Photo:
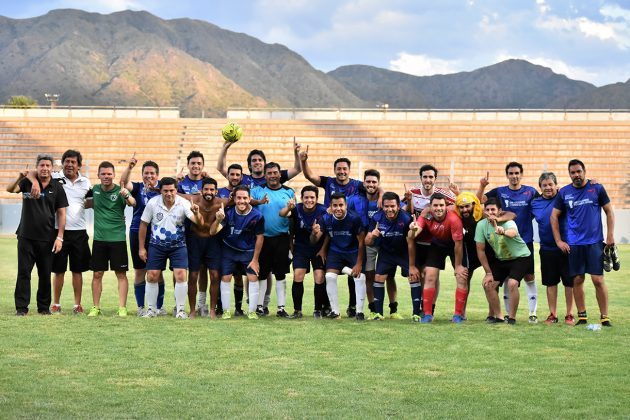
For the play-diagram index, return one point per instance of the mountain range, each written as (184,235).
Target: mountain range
(137,59)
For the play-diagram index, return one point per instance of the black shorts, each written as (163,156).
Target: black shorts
(436,257)
(554,266)
(109,255)
(134,246)
(512,269)
(274,257)
(530,266)
(422,252)
(76,249)
(471,258)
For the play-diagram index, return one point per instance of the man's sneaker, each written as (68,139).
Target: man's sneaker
(55,309)
(77,310)
(375,316)
(551,319)
(317,314)
(605,321)
(582,319)
(360,316)
(416,318)
(94,311)
(426,319)
(45,312)
(252,315)
(226,315)
(122,311)
(149,313)
(533,319)
(334,315)
(239,312)
(396,315)
(265,310)
(20,313)
(511,321)
(614,257)
(457,319)
(326,312)
(569,319)
(181,315)
(351,311)
(281,313)
(141,311)
(296,315)
(494,320)
(607,259)
(161,312)
(259,311)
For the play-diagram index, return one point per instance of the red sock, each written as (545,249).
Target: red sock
(460,300)
(427,300)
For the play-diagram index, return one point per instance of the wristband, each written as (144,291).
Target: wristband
(60,238)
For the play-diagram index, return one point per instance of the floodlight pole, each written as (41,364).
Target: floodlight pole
(52,99)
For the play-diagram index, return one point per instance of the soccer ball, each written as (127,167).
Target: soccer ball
(232,132)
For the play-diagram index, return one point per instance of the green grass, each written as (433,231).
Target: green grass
(67,366)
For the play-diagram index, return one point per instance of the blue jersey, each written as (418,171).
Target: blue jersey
(518,202)
(541,208)
(330,186)
(224,192)
(343,233)
(360,205)
(252,182)
(303,226)
(188,186)
(142,196)
(240,230)
(393,239)
(583,209)
(274,223)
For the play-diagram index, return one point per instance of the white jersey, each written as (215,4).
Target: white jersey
(75,192)
(167,225)
(421,201)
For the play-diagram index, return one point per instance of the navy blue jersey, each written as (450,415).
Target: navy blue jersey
(188,186)
(240,230)
(252,182)
(274,223)
(142,196)
(541,208)
(583,209)
(224,192)
(393,238)
(343,232)
(360,205)
(518,202)
(303,226)
(330,186)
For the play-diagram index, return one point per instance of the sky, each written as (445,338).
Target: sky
(585,40)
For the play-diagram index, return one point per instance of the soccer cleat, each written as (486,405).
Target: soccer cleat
(239,312)
(265,310)
(326,311)
(161,312)
(493,320)
(416,318)
(226,315)
(375,316)
(317,314)
(426,319)
(259,311)
(281,313)
(607,259)
(457,319)
(396,315)
(141,311)
(296,315)
(511,321)
(252,315)
(55,309)
(149,313)
(533,319)
(605,321)
(360,316)
(334,315)
(122,311)
(351,311)
(613,256)
(94,311)
(569,319)
(181,315)
(582,319)
(551,319)
(77,310)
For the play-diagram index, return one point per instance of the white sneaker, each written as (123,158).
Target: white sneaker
(161,312)
(141,311)
(181,315)
(149,314)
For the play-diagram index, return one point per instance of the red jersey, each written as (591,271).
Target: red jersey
(445,232)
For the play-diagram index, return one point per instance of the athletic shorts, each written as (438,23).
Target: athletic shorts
(76,249)
(235,262)
(302,260)
(554,266)
(206,251)
(471,259)
(339,260)
(158,255)
(274,257)
(512,269)
(371,252)
(134,246)
(436,257)
(422,252)
(530,267)
(109,256)
(586,259)
(387,264)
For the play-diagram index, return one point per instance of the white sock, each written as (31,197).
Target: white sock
(346,270)
(201,299)
(226,288)
(360,288)
(532,296)
(262,289)
(253,291)
(506,298)
(151,291)
(281,292)
(331,289)
(181,293)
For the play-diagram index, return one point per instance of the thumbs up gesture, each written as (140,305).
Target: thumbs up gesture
(316,229)
(376,232)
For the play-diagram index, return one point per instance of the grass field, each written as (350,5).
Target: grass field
(68,366)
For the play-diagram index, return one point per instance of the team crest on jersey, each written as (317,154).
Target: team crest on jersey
(159,217)
(113,197)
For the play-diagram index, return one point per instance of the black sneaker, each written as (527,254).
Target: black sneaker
(317,314)
(360,316)
(511,321)
(334,315)
(607,259)
(614,257)
(605,321)
(582,319)
(492,320)
(282,313)
(326,312)
(265,311)
(351,311)
(260,311)
(20,313)
(239,312)
(296,315)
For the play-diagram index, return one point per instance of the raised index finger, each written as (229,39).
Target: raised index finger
(488,175)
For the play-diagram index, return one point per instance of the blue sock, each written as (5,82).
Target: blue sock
(379,296)
(138,290)
(416,294)
(160,300)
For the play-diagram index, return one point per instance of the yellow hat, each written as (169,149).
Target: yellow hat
(467,198)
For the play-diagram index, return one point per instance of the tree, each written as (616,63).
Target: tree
(21,101)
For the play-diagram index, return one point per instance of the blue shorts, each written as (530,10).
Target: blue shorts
(303,260)
(339,260)
(586,259)
(205,251)
(387,264)
(159,254)
(235,261)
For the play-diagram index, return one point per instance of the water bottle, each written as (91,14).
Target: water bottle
(594,327)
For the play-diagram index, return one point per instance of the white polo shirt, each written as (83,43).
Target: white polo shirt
(167,225)
(75,191)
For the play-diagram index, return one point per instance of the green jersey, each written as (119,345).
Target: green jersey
(109,214)
(505,248)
